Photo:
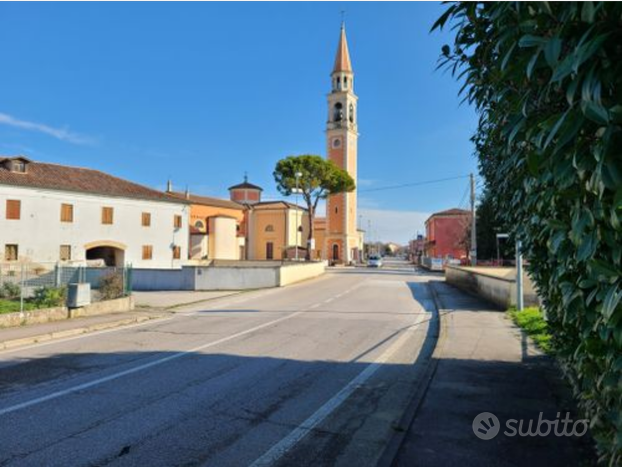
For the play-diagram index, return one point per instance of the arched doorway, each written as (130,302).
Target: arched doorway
(112,254)
(335,252)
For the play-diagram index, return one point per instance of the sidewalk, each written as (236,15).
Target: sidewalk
(32,334)
(484,364)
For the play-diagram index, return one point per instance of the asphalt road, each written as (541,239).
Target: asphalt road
(318,373)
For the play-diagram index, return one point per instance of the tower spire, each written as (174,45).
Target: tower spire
(342,59)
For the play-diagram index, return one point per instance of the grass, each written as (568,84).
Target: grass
(533,323)
(12,306)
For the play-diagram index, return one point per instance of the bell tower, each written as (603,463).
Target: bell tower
(342,136)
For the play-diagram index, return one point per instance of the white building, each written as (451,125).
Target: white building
(56,213)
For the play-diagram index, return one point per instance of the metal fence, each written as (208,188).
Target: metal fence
(30,276)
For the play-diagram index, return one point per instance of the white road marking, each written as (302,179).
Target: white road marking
(129,371)
(136,369)
(223,302)
(294,437)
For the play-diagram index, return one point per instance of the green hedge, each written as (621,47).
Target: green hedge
(546,79)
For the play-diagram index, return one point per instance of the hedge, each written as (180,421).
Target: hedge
(546,80)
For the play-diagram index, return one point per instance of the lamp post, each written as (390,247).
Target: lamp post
(297,175)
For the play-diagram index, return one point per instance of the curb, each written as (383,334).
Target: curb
(394,445)
(48,336)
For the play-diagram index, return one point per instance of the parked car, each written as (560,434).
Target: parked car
(374,261)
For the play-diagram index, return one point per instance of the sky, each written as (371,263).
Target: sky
(200,93)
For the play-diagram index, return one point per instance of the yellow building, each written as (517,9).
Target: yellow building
(275,228)
(217,227)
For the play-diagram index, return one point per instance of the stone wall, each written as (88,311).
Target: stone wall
(497,287)
(226,275)
(47,315)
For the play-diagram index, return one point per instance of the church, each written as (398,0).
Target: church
(253,229)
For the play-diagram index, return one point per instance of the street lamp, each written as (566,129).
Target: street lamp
(297,175)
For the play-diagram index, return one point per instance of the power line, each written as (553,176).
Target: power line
(464,197)
(406,185)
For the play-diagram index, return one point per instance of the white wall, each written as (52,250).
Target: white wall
(223,242)
(39,232)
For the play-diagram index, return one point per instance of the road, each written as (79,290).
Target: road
(319,373)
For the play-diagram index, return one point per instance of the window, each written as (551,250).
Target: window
(107,215)
(176,252)
(146,219)
(13,209)
(269,250)
(66,212)
(11,252)
(336,210)
(19,166)
(65,252)
(338,112)
(177,221)
(269,228)
(147,252)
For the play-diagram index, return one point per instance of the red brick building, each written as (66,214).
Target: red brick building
(447,234)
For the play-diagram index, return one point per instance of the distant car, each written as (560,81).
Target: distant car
(374,261)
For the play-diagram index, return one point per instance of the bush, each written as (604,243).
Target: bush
(546,80)
(10,291)
(49,297)
(534,324)
(111,286)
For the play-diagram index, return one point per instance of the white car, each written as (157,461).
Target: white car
(374,261)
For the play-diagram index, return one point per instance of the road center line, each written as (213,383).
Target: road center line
(294,437)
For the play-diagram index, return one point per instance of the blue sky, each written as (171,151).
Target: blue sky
(202,92)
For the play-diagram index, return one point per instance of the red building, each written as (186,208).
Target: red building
(447,234)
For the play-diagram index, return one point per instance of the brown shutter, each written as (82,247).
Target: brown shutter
(13,209)
(176,252)
(66,212)
(107,215)
(146,219)
(147,252)
(177,222)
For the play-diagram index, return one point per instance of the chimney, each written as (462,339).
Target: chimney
(169,186)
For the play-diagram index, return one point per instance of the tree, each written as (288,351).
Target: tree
(546,80)
(318,179)
(489,224)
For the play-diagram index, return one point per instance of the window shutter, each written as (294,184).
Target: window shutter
(13,209)
(147,252)
(107,215)
(66,212)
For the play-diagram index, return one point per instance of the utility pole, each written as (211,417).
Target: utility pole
(473,224)
(519,276)
(297,175)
